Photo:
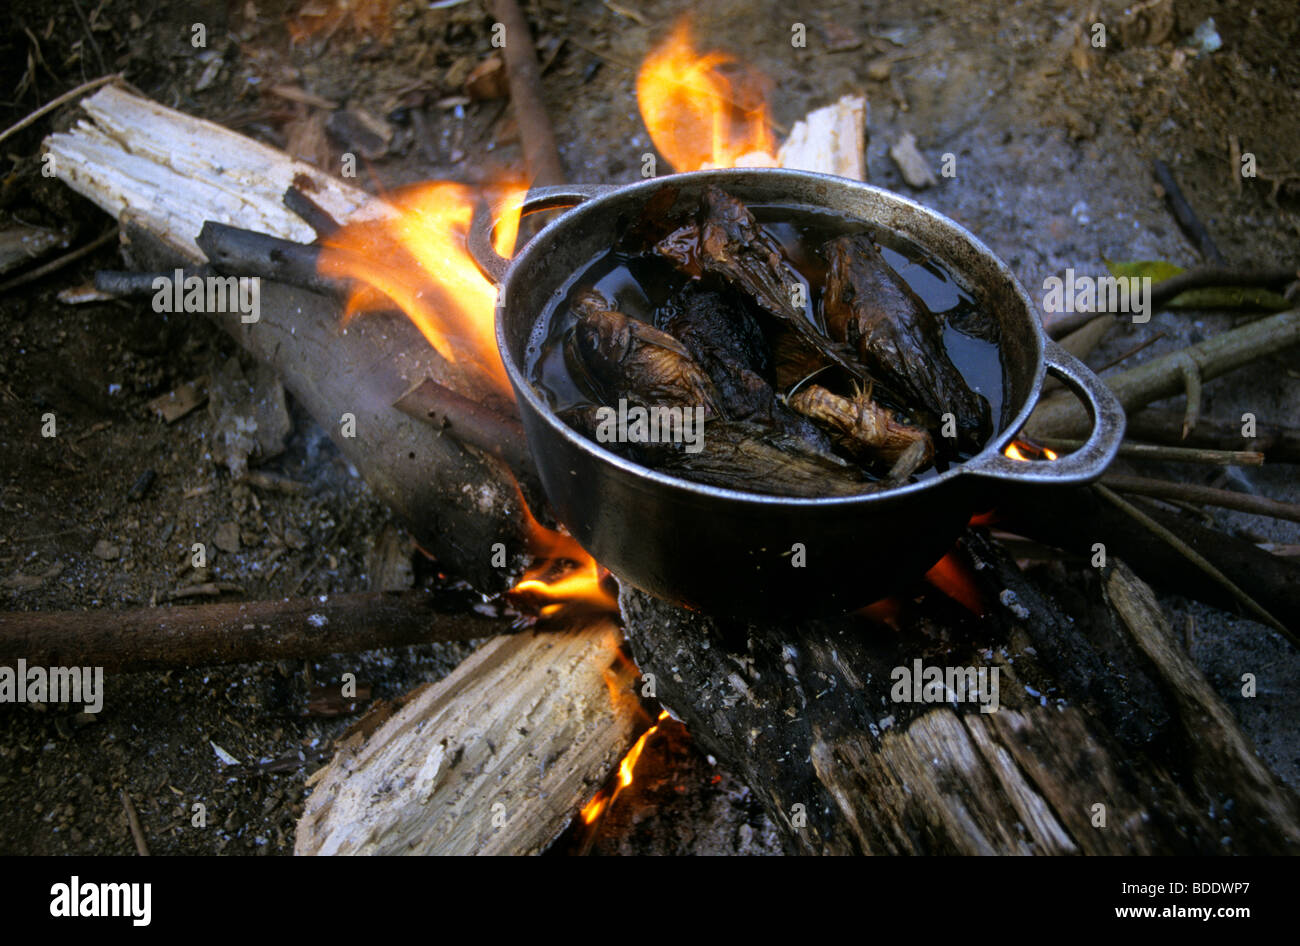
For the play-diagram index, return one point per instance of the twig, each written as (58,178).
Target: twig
(1277,443)
(249,253)
(1151,451)
(471,423)
(59,263)
(526,95)
(1130,353)
(312,213)
(90,35)
(148,639)
(127,285)
(55,103)
(133,819)
(1196,559)
(1186,217)
(1196,493)
(1064,416)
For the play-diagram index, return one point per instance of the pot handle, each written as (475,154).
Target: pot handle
(484,224)
(1097,452)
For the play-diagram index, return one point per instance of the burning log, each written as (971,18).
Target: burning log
(497,758)
(829,725)
(165,174)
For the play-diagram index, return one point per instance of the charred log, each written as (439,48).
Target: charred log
(810,716)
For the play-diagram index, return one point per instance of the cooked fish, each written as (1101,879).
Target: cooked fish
(729,243)
(615,356)
(899,340)
(748,457)
(861,426)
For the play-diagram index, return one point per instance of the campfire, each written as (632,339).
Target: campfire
(957,649)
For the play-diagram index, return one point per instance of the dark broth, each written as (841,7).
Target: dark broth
(639,285)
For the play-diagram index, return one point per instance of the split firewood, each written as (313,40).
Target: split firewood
(165,173)
(496,758)
(173,171)
(830,140)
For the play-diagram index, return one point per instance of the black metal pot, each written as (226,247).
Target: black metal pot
(726,551)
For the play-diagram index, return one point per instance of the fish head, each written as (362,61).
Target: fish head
(597,345)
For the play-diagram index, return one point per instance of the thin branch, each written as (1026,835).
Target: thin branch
(1196,493)
(55,103)
(42,271)
(167,638)
(1185,215)
(133,820)
(1151,451)
(1196,559)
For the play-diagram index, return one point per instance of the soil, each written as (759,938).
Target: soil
(1052,139)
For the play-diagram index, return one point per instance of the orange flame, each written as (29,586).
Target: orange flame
(563,573)
(416,258)
(952,575)
(700,115)
(1028,452)
(593,809)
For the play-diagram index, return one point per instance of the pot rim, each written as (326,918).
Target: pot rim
(592,200)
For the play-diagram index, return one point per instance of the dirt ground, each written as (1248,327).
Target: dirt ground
(1053,141)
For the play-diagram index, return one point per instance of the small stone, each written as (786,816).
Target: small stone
(227,537)
(910,161)
(294,539)
(106,550)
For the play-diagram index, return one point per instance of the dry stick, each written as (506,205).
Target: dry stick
(55,103)
(526,95)
(312,213)
(59,263)
(128,285)
(1186,217)
(1149,451)
(1208,495)
(471,423)
(1167,290)
(1130,353)
(133,819)
(1276,442)
(1198,560)
(148,639)
(249,253)
(1064,416)
(1081,343)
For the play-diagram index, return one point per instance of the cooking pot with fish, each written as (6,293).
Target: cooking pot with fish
(687,530)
